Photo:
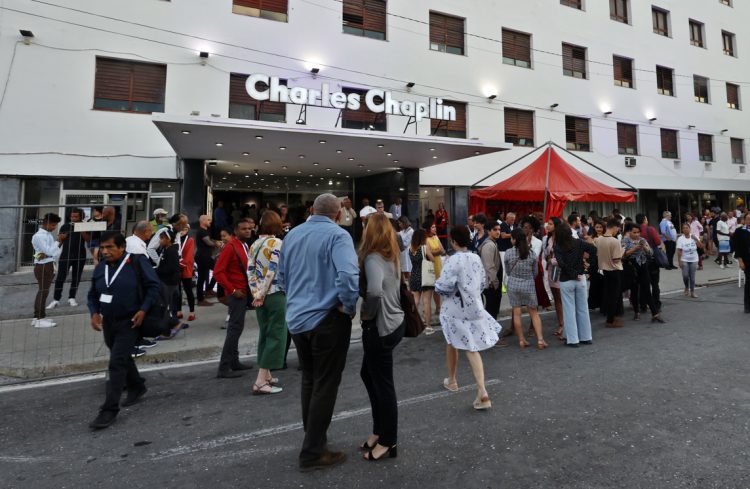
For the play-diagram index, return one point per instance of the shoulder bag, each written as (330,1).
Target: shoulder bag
(156,321)
(428,270)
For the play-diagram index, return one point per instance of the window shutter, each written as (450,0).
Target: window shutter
(519,124)
(626,136)
(238,95)
(579,60)
(567,57)
(459,125)
(455,32)
(577,131)
(247,3)
(733,95)
(354,13)
(668,141)
(363,114)
(438,29)
(705,146)
(617,63)
(737,153)
(113,79)
(375,15)
(516,46)
(149,82)
(279,6)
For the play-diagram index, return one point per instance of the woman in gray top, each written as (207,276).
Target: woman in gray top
(521,267)
(382,329)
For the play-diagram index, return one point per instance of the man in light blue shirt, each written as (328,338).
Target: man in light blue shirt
(319,271)
(669,237)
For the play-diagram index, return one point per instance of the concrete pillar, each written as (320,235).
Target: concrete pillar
(193,195)
(460,211)
(10,194)
(410,205)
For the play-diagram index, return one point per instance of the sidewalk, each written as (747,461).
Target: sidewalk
(27,352)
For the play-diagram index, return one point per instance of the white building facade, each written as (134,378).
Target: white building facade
(626,69)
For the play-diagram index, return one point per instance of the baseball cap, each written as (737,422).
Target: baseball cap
(160,212)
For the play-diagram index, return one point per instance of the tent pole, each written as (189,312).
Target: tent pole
(506,166)
(591,164)
(546,179)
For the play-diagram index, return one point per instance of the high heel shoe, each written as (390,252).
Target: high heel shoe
(365,447)
(523,344)
(541,345)
(392,452)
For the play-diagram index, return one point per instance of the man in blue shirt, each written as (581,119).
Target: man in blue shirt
(117,308)
(669,237)
(319,271)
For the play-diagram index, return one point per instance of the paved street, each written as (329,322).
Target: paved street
(645,406)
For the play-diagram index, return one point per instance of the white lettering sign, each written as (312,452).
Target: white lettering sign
(376,100)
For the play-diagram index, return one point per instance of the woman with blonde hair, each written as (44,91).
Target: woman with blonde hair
(382,329)
(419,252)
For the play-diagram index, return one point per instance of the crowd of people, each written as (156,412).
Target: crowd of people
(305,279)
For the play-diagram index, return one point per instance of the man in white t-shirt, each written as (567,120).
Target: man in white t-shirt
(722,234)
(137,244)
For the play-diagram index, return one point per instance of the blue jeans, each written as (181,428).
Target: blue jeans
(575,311)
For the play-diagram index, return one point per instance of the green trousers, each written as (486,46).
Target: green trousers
(273,331)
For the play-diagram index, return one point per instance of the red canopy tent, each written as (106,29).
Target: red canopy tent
(549,179)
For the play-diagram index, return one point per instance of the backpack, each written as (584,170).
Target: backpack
(157,319)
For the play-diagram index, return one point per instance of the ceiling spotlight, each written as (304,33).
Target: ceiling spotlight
(389,154)
(434,157)
(368,170)
(245,154)
(410,85)
(236,165)
(255,172)
(477,153)
(267,162)
(185,132)
(27,36)
(219,145)
(328,169)
(322,141)
(381,145)
(284,167)
(247,176)
(609,112)
(229,173)
(282,148)
(338,151)
(272,174)
(339,173)
(299,171)
(395,161)
(310,175)
(315,71)
(330,182)
(259,137)
(652,119)
(301,157)
(360,165)
(316,164)
(432,149)
(350,159)
(554,106)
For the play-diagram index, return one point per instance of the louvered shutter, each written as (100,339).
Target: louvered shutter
(516,45)
(113,79)
(733,95)
(238,95)
(455,32)
(577,130)
(705,147)
(579,60)
(354,13)
(375,15)
(519,124)
(626,136)
(668,143)
(567,51)
(617,63)
(278,6)
(438,29)
(149,83)
(458,126)
(737,153)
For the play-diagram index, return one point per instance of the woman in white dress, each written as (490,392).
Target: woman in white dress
(466,324)
(405,233)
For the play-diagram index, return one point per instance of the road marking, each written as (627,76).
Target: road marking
(277,430)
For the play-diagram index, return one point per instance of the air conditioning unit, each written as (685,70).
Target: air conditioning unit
(677,164)
(708,166)
(743,169)
(630,162)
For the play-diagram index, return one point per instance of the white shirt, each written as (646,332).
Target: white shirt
(689,249)
(395,210)
(135,246)
(724,228)
(732,223)
(154,244)
(536,246)
(367,210)
(44,242)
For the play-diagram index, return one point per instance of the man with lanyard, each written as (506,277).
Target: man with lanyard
(73,257)
(230,272)
(669,236)
(347,217)
(118,311)
(480,235)
(177,223)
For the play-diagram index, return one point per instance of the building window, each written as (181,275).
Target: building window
(363,118)
(733,96)
(577,134)
(661,21)
(669,143)
(574,61)
(519,127)
(618,10)
(705,147)
(728,41)
(700,87)
(627,139)
(242,106)
(366,18)
(572,3)
(446,33)
(738,154)
(451,129)
(265,9)
(665,80)
(728,3)
(623,71)
(516,48)
(129,86)
(696,34)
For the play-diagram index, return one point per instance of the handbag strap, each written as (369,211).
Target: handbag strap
(244,268)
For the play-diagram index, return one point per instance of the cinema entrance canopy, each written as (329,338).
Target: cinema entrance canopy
(256,156)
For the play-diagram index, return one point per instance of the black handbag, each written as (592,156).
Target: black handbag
(157,319)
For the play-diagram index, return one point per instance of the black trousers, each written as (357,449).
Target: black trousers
(186,285)
(120,337)
(670,247)
(205,264)
(377,375)
(640,289)
(322,356)
(492,298)
(747,287)
(596,288)
(76,264)
(230,354)
(654,277)
(612,294)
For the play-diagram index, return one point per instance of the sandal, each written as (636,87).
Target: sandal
(272,380)
(392,452)
(451,387)
(429,330)
(258,389)
(541,345)
(366,447)
(178,315)
(191,316)
(482,404)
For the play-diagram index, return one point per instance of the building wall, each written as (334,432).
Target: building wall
(48,103)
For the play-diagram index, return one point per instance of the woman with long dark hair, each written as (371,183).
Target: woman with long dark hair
(522,268)
(419,252)
(569,255)
(553,275)
(382,329)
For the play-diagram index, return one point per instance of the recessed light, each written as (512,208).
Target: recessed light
(299,171)
(229,173)
(476,152)
(328,169)
(185,132)
(272,174)
(219,145)
(259,137)
(350,159)
(310,175)
(267,162)
(360,165)
(316,164)
(223,178)
(301,156)
(368,171)
(395,161)
(434,157)
(389,154)
(284,167)
(282,148)
(432,149)
(246,154)
(338,151)
(236,165)
(247,176)
(381,145)
(322,178)
(322,141)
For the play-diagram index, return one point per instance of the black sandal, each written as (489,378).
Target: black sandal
(365,447)
(392,452)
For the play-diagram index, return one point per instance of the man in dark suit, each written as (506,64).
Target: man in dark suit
(742,253)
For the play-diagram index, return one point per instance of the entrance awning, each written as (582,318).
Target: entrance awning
(242,146)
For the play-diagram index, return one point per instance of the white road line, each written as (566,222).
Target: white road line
(277,430)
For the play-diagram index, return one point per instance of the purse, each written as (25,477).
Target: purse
(414,323)
(428,270)
(660,257)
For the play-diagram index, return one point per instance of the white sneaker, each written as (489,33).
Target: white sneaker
(43,323)
(72,303)
(722,267)
(53,305)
